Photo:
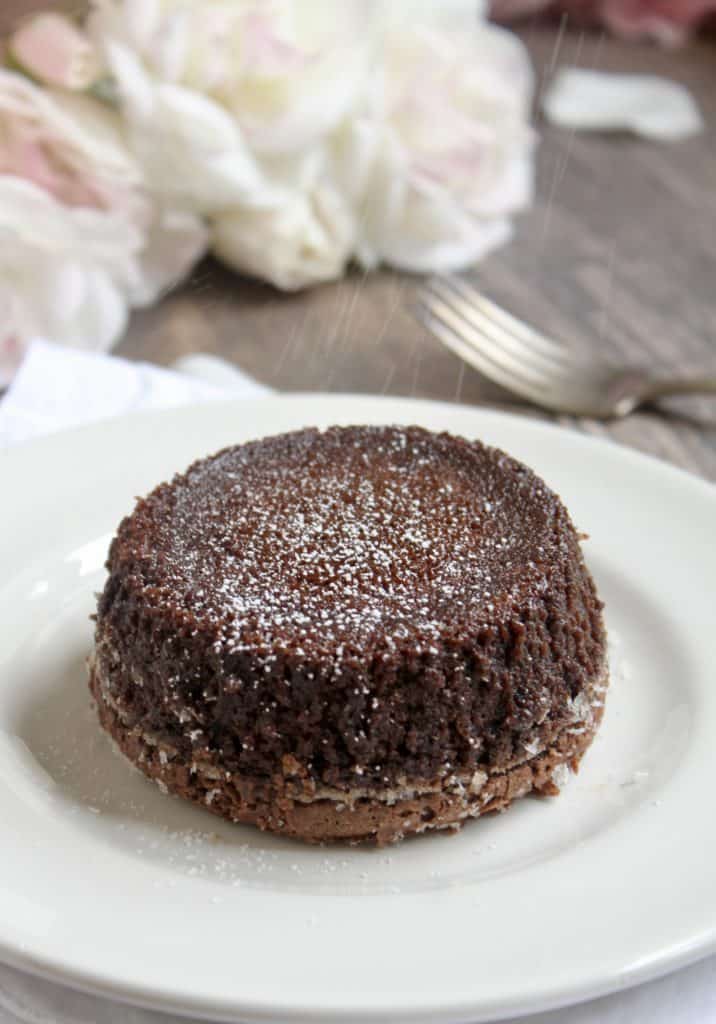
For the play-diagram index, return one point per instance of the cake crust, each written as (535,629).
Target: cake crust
(290,807)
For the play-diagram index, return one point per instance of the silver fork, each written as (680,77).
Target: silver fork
(528,363)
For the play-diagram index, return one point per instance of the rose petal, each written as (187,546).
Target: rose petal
(196,120)
(436,235)
(172,47)
(211,166)
(513,188)
(305,240)
(647,105)
(175,241)
(142,18)
(65,272)
(55,51)
(12,348)
(71,145)
(455,15)
(133,83)
(103,317)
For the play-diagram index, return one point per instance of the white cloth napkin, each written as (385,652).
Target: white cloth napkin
(59,387)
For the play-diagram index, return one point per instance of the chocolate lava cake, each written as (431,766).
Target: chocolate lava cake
(353,634)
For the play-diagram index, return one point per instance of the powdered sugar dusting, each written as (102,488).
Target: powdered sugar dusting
(334,538)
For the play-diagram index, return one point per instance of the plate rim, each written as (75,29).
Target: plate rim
(510,415)
(126,991)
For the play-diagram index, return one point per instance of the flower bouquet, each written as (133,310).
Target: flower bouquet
(288,137)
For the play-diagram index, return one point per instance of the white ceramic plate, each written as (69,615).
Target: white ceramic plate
(109,885)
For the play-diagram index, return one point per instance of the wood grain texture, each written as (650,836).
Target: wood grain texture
(11,10)
(618,254)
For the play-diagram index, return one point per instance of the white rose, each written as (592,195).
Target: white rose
(208,88)
(81,238)
(287,70)
(55,51)
(191,151)
(312,132)
(440,156)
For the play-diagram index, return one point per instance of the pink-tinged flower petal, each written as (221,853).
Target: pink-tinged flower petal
(264,51)
(68,144)
(12,350)
(55,51)
(444,152)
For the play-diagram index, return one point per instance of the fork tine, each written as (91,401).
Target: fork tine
(493,345)
(506,328)
(517,354)
(475,355)
(521,369)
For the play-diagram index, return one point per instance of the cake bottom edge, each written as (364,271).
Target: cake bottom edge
(430,805)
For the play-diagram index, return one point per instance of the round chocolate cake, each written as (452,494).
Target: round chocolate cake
(353,634)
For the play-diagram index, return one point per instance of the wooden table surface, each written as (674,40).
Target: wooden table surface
(618,255)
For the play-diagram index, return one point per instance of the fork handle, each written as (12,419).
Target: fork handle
(664,386)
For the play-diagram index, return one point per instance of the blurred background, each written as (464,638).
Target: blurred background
(617,254)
